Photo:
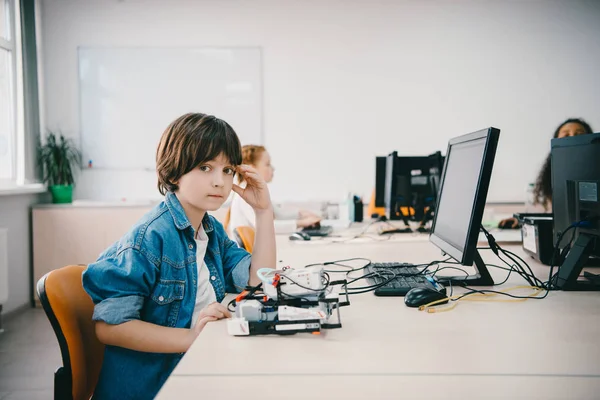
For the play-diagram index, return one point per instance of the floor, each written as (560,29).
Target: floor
(29,355)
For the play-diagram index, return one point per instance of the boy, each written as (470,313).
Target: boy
(157,287)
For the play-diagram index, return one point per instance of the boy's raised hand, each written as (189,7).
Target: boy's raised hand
(256,192)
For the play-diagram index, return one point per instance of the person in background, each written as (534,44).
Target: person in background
(287,219)
(542,192)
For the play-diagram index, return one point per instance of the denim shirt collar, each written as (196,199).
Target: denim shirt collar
(181,220)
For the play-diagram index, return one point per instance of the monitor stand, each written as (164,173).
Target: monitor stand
(482,275)
(568,272)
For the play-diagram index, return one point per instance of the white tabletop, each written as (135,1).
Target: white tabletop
(532,349)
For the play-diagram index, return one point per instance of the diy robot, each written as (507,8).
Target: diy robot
(288,301)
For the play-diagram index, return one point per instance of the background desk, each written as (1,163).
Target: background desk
(77,233)
(537,349)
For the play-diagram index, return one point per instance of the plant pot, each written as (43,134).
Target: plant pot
(62,193)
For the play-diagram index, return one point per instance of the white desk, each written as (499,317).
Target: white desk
(537,349)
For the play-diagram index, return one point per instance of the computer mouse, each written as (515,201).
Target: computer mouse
(299,236)
(417,297)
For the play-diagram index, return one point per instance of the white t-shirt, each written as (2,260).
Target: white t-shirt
(206,293)
(242,214)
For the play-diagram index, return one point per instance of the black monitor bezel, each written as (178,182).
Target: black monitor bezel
(466,255)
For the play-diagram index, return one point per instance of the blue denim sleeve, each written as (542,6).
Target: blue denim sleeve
(118,284)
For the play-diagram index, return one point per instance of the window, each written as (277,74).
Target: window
(7,92)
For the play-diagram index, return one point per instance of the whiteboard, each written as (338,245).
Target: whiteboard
(128,96)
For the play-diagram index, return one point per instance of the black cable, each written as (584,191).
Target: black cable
(530,273)
(251,290)
(305,287)
(510,255)
(529,277)
(454,268)
(496,249)
(392,269)
(510,271)
(339,261)
(516,268)
(556,249)
(369,288)
(370,274)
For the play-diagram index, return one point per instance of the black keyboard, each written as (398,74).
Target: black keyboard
(322,231)
(407,276)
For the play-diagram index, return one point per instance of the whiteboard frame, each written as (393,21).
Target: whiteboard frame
(261,100)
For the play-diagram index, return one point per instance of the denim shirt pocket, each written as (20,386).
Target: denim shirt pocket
(166,301)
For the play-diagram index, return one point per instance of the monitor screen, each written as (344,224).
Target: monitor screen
(380,164)
(390,186)
(463,192)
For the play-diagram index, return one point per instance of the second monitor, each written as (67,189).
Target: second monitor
(410,186)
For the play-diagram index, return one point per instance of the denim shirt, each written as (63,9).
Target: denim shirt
(151,274)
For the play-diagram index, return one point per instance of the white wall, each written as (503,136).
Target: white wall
(347,80)
(15,215)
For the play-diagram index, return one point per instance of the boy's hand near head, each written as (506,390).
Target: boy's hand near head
(256,192)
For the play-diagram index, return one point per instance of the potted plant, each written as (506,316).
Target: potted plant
(57,159)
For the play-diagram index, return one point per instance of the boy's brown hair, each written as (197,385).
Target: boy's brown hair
(189,141)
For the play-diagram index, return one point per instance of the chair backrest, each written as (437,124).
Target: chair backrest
(244,235)
(372,209)
(227,219)
(70,309)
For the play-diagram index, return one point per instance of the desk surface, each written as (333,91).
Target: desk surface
(533,349)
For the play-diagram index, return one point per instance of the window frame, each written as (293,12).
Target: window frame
(10,45)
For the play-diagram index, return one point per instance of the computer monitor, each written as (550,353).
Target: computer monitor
(391,185)
(575,202)
(424,182)
(463,192)
(436,165)
(411,184)
(380,163)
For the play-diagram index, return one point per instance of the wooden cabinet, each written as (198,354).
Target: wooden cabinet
(72,234)
(64,235)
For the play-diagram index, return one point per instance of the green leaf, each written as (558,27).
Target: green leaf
(57,159)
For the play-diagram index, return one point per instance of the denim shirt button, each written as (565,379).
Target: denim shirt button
(190,246)
(213,277)
(161,298)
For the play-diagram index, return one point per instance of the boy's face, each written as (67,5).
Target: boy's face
(206,187)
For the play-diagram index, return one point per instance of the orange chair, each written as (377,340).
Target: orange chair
(244,235)
(409,212)
(372,209)
(70,309)
(227,220)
